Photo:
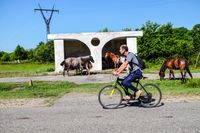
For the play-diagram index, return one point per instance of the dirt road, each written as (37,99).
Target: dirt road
(95,78)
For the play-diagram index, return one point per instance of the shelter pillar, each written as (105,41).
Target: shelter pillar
(97,56)
(132,44)
(59,54)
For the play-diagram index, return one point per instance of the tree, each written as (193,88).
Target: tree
(146,43)
(5,57)
(30,54)
(20,53)
(195,33)
(1,53)
(127,29)
(162,41)
(44,52)
(105,30)
(12,56)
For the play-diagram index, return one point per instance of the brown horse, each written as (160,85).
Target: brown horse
(175,64)
(113,57)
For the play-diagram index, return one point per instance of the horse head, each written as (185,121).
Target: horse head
(162,71)
(107,54)
(91,59)
(62,63)
(162,75)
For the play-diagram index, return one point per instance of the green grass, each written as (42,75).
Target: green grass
(57,89)
(25,69)
(34,69)
(176,87)
(44,89)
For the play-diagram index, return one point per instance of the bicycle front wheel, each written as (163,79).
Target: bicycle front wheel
(110,97)
(151,95)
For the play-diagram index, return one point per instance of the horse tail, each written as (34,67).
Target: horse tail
(188,70)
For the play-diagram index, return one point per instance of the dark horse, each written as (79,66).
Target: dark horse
(78,64)
(175,64)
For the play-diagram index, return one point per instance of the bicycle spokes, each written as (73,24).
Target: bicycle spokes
(110,97)
(151,97)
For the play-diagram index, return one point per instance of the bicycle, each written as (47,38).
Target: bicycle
(110,96)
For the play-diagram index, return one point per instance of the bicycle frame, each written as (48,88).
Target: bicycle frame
(137,81)
(111,96)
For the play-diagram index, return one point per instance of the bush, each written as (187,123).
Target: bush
(50,69)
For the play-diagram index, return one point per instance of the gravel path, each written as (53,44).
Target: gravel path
(95,78)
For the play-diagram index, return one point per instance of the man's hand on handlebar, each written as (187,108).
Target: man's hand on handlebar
(115,73)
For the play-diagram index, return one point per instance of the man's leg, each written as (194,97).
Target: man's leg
(127,82)
(132,76)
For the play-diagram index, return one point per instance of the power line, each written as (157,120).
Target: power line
(46,20)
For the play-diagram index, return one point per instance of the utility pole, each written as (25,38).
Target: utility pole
(46,20)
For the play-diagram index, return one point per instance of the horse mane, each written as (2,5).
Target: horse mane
(112,54)
(87,58)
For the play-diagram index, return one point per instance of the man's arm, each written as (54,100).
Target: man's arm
(121,68)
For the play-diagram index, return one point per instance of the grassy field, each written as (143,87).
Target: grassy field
(25,69)
(58,89)
(34,69)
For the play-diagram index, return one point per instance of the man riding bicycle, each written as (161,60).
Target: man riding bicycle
(135,72)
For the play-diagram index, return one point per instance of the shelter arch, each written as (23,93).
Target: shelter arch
(113,46)
(75,48)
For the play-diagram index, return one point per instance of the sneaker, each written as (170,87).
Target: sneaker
(138,94)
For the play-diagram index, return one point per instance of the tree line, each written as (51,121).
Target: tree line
(158,42)
(44,52)
(164,41)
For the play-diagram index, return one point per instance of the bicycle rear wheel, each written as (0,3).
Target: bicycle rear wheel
(110,97)
(151,95)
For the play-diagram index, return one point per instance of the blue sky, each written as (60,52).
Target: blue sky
(19,24)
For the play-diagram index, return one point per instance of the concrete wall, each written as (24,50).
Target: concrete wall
(63,45)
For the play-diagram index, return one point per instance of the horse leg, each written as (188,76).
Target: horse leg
(87,68)
(173,74)
(68,67)
(188,70)
(63,71)
(81,69)
(183,76)
(77,70)
(170,74)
